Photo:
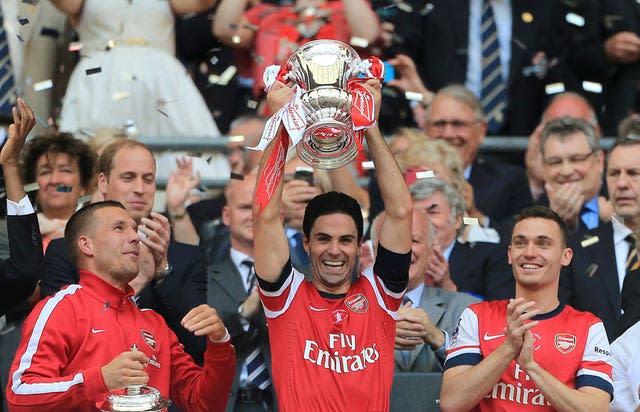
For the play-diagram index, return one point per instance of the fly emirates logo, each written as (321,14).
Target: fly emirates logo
(516,392)
(335,359)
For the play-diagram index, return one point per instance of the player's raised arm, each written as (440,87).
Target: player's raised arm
(270,242)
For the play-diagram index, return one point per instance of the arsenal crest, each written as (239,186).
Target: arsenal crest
(148,337)
(565,342)
(357,303)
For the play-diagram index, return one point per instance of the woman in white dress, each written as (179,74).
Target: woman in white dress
(128,72)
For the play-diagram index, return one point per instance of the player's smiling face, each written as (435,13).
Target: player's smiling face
(333,252)
(537,252)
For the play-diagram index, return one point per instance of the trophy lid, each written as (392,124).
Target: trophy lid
(142,399)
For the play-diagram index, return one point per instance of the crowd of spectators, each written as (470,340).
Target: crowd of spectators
(563,73)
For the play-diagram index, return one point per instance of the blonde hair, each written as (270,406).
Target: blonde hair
(431,151)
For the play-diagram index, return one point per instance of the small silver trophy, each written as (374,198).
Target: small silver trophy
(136,398)
(322,68)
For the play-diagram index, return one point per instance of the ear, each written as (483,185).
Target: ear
(225,215)
(567,255)
(103,182)
(85,245)
(509,255)
(458,223)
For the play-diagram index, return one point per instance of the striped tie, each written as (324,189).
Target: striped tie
(7,85)
(251,277)
(258,374)
(632,266)
(494,94)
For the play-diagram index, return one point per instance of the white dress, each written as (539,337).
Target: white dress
(132,43)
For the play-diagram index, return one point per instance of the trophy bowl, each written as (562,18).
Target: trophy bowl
(322,69)
(136,398)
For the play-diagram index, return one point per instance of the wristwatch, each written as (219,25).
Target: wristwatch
(164,272)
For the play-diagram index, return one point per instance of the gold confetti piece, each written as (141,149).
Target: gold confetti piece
(554,88)
(128,76)
(404,7)
(470,221)
(111,44)
(590,241)
(426,174)
(527,17)
(236,39)
(213,79)
(359,42)
(43,85)
(228,74)
(31,187)
(574,19)
(592,87)
(413,96)
(368,165)
(235,139)
(120,95)
(75,46)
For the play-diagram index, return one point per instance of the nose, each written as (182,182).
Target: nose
(622,181)
(334,248)
(565,168)
(139,186)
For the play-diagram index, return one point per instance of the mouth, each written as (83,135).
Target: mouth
(333,265)
(530,267)
(138,204)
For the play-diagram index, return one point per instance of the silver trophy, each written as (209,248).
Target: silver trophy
(137,398)
(322,69)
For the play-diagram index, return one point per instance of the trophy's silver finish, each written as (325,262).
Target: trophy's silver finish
(137,398)
(322,69)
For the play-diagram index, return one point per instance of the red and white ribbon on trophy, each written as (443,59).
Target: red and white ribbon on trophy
(293,117)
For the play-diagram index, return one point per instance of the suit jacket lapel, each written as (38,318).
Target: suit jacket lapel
(227,278)
(603,255)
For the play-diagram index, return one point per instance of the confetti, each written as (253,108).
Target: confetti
(359,42)
(111,44)
(590,241)
(236,176)
(527,17)
(94,70)
(592,87)
(64,188)
(31,187)
(554,88)
(470,221)
(368,165)
(404,7)
(428,8)
(426,174)
(43,85)
(236,39)
(141,234)
(251,27)
(163,113)
(128,76)
(23,21)
(413,96)
(47,31)
(194,154)
(120,95)
(214,60)
(75,46)
(32,2)
(592,269)
(252,104)
(235,139)
(574,19)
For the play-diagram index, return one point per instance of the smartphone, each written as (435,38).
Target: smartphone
(304,173)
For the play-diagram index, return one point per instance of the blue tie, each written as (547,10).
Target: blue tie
(257,372)
(493,91)
(7,85)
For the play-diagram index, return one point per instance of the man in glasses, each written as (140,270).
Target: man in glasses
(573,165)
(500,191)
(604,277)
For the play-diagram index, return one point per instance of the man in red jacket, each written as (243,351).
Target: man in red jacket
(91,338)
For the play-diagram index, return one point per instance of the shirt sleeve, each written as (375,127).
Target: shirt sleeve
(20,208)
(35,380)
(595,369)
(392,268)
(464,348)
(277,296)
(626,372)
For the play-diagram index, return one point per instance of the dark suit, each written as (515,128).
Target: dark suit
(591,282)
(20,273)
(225,292)
(181,291)
(482,268)
(444,309)
(630,302)
(438,42)
(500,190)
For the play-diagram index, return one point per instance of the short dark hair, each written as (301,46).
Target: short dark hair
(329,203)
(80,221)
(59,142)
(628,134)
(544,212)
(105,162)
